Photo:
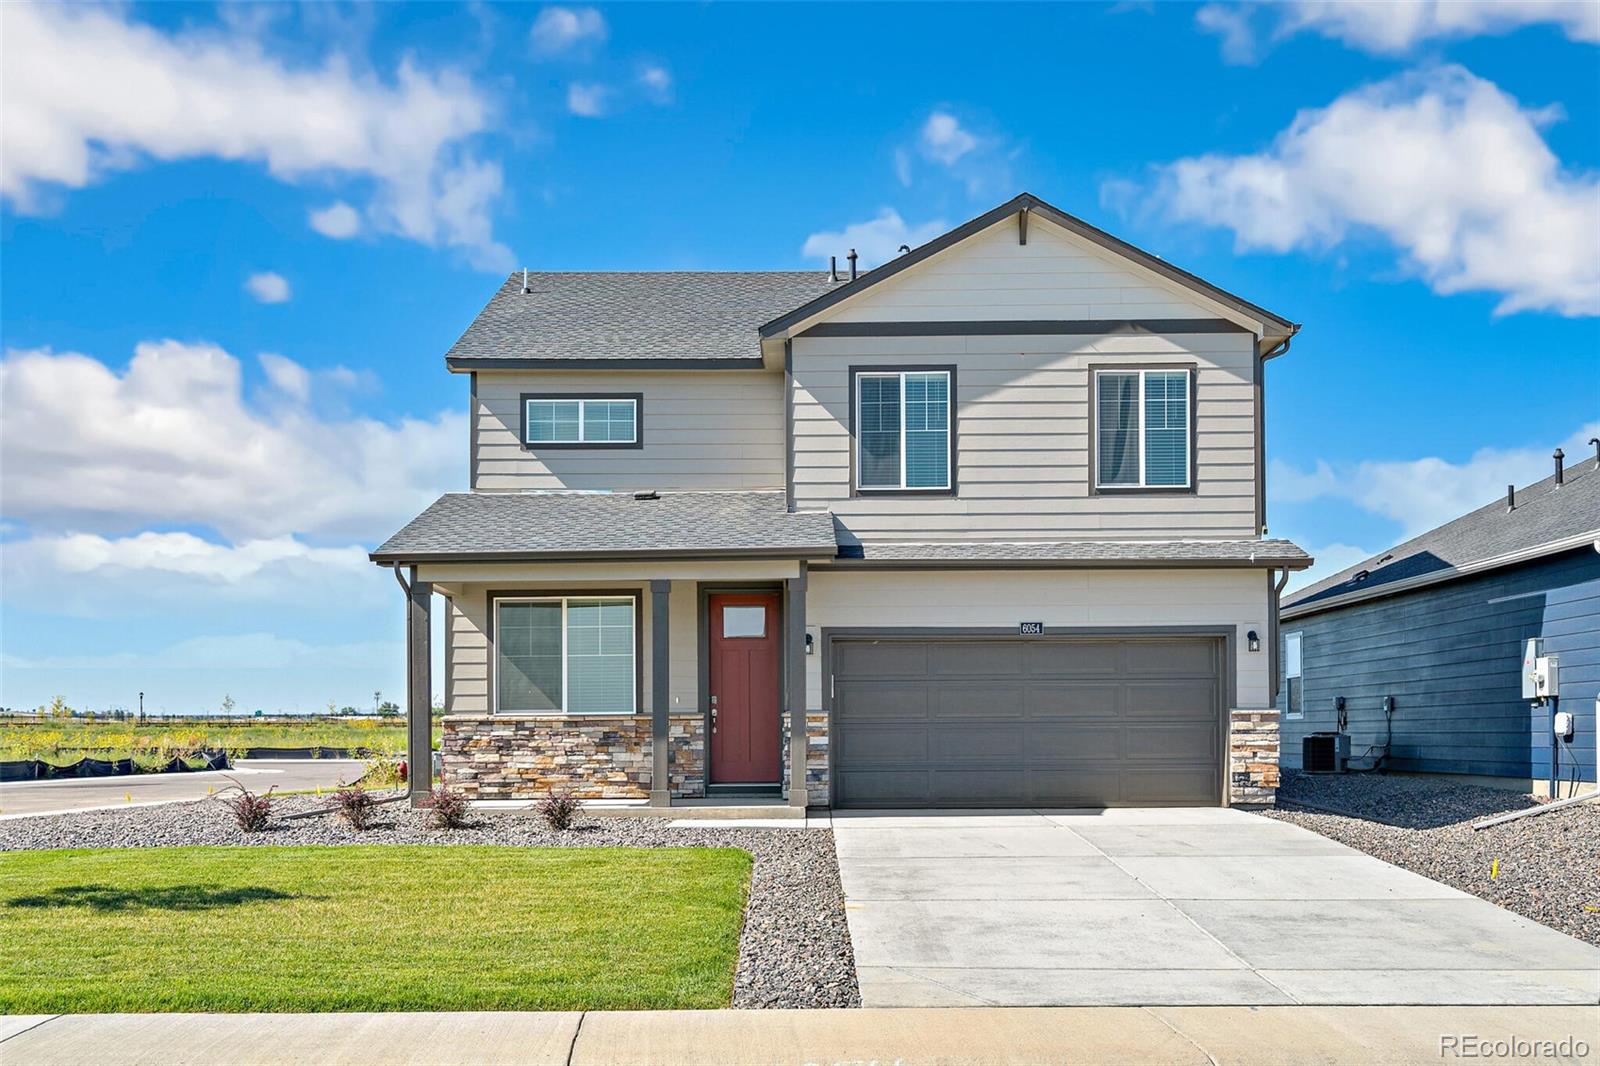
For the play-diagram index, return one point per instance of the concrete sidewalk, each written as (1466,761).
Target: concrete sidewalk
(1268,1036)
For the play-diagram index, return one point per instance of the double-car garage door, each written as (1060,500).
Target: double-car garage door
(957,721)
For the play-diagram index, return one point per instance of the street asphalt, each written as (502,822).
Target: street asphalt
(24,798)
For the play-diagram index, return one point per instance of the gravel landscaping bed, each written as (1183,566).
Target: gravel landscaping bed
(1548,865)
(794,952)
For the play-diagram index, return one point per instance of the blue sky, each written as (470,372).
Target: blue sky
(238,240)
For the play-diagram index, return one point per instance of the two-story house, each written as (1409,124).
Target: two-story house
(980,527)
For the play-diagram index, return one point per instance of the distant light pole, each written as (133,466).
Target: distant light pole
(141,706)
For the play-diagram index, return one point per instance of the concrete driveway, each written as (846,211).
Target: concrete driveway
(1171,907)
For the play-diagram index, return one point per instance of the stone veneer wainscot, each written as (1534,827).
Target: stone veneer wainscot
(1253,758)
(499,757)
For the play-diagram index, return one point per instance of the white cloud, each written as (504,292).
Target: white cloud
(338,220)
(656,80)
(588,100)
(172,441)
(1393,28)
(268,287)
(1420,494)
(1444,165)
(877,240)
(944,140)
(563,29)
(89,91)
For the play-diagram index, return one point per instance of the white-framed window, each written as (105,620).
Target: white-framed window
(1293,696)
(564,654)
(903,430)
(580,420)
(1142,429)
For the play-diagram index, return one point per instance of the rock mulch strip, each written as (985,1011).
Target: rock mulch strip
(1548,865)
(794,952)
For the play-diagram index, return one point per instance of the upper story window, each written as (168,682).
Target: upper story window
(902,430)
(1142,429)
(596,421)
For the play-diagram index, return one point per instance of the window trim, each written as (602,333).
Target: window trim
(1299,637)
(568,445)
(1192,443)
(492,668)
(952,449)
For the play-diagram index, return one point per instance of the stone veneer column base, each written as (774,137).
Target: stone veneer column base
(1253,758)
(510,757)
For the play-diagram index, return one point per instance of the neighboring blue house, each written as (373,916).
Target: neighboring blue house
(1439,624)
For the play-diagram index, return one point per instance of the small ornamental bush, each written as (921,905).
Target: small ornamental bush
(250,810)
(355,805)
(558,809)
(449,807)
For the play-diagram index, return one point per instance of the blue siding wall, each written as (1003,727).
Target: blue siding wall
(1451,656)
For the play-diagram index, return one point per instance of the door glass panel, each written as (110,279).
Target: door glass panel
(744,621)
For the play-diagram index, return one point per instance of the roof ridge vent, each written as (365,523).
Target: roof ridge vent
(647,494)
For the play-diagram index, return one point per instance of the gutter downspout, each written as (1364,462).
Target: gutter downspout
(1272,631)
(1261,426)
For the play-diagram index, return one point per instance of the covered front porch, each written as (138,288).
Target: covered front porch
(671,676)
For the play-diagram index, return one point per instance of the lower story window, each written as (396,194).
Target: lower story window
(572,654)
(1293,697)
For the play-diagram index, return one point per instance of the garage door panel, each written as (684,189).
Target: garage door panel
(1172,699)
(1165,658)
(1054,742)
(1063,699)
(1176,741)
(985,658)
(1090,658)
(1060,721)
(1004,742)
(877,658)
(961,701)
(882,745)
(1161,787)
(883,701)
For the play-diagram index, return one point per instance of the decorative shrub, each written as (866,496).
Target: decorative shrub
(558,809)
(250,810)
(356,805)
(449,807)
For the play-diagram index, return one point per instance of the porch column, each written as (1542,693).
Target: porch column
(660,636)
(419,686)
(795,655)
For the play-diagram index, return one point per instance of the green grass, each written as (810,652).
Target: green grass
(369,928)
(65,740)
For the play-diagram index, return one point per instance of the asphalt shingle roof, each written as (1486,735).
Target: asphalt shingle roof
(640,315)
(1544,515)
(1242,552)
(523,525)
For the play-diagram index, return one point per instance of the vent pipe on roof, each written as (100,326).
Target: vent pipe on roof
(525,289)
(852,258)
(1560,474)
(1596,442)
(1511,498)
(833,268)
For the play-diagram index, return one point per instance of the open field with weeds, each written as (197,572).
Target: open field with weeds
(156,740)
(359,928)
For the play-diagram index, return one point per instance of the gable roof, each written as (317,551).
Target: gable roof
(1546,520)
(1276,324)
(674,318)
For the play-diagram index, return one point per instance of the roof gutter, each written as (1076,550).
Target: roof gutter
(1538,551)
(383,558)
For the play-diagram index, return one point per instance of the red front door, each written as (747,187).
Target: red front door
(744,644)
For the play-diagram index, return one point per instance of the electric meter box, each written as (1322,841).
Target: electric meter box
(1530,663)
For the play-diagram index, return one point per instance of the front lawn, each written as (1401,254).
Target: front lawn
(413,927)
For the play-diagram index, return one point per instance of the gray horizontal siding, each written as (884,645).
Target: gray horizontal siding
(713,430)
(1023,428)
(1451,656)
